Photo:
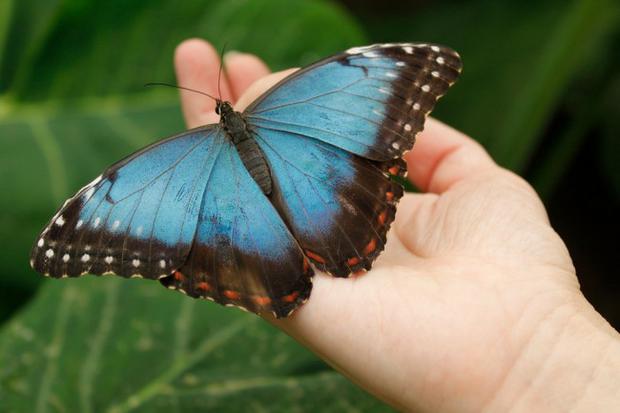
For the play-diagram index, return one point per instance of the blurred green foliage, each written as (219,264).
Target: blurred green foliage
(72,102)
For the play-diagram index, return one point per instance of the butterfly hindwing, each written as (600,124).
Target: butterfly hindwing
(338,205)
(243,254)
(370,101)
(137,219)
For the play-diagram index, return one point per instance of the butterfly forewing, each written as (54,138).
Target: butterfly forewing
(370,101)
(137,219)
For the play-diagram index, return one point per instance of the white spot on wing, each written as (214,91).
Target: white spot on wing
(416,106)
(162,263)
(390,74)
(400,64)
(95,181)
(395,145)
(440,60)
(49,253)
(89,193)
(40,243)
(408,49)
(407,127)
(135,262)
(60,221)
(370,54)
(85,258)
(66,258)
(435,73)
(356,50)
(109,259)
(435,49)
(79,224)
(426,88)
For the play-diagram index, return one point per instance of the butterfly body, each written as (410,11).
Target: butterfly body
(253,158)
(242,212)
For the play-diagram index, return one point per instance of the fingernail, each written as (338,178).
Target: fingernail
(231,53)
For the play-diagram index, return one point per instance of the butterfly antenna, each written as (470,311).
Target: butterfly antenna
(180,87)
(219,74)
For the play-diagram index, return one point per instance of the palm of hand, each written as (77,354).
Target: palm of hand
(467,281)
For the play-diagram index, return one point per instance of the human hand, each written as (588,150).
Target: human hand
(473,306)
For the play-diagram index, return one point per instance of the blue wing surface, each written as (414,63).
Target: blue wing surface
(370,101)
(243,253)
(138,218)
(338,205)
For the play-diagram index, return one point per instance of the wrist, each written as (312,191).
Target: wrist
(571,363)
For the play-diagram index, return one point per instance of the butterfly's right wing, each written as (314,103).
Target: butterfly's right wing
(370,101)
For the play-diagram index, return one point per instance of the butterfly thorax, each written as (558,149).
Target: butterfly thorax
(237,130)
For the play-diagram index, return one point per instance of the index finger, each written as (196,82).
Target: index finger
(197,65)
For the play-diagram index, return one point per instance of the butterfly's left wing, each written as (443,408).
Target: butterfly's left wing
(243,254)
(138,218)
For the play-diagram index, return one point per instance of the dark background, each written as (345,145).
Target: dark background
(540,90)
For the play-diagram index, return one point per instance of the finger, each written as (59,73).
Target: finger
(443,156)
(259,87)
(197,65)
(243,69)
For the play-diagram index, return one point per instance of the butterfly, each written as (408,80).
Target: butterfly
(243,212)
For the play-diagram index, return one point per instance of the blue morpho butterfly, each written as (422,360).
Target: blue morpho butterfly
(241,212)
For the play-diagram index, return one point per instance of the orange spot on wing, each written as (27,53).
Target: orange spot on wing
(358,273)
(381,218)
(178,276)
(232,295)
(291,297)
(389,196)
(306,265)
(394,170)
(262,300)
(370,247)
(353,260)
(203,285)
(315,256)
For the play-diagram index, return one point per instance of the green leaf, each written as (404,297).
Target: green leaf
(78,48)
(113,345)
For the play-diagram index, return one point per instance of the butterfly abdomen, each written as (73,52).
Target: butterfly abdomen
(250,153)
(254,161)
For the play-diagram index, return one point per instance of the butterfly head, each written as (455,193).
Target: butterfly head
(223,108)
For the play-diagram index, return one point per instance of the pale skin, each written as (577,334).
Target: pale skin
(473,307)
